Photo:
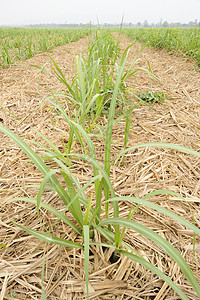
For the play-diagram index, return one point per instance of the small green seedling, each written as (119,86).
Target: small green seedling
(152,97)
(11,295)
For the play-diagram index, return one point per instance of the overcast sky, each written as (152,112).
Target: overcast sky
(22,12)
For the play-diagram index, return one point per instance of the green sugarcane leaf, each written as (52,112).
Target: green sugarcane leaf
(58,214)
(161,242)
(159,208)
(86,254)
(49,238)
(38,162)
(155,270)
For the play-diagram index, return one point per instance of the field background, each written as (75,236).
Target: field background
(185,41)
(23,43)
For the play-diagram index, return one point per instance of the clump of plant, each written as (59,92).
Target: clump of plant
(103,199)
(92,86)
(152,97)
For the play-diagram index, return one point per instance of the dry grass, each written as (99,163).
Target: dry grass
(144,170)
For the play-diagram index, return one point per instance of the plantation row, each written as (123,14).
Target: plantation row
(23,43)
(177,40)
(98,87)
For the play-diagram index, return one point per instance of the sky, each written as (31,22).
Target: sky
(24,12)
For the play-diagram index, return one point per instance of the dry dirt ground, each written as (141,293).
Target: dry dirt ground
(23,90)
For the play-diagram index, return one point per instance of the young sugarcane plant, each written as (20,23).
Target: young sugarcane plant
(75,198)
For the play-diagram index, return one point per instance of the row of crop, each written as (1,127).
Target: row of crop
(98,86)
(182,40)
(23,43)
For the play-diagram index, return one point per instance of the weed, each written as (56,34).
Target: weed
(11,295)
(152,97)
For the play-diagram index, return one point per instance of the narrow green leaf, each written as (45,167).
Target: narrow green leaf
(49,238)
(129,218)
(85,222)
(43,185)
(42,279)
(72,192)
(96,165)
(161,242)
(58,214)
(127,129)
(86,254)
(38,162)
(159,208)
(155,270)
(163,145)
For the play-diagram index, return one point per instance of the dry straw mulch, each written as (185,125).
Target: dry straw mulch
(23,90)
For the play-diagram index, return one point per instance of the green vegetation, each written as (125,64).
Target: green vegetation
(152,97)
(93,85)
(91,88)
(12,295)
(177,40)
(23,43)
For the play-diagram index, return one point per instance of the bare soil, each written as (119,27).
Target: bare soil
(23,92)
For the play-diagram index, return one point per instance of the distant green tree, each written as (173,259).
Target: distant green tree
(165,24)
